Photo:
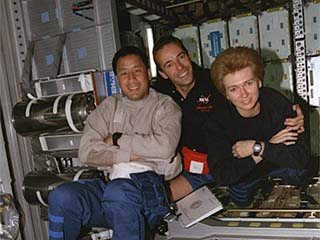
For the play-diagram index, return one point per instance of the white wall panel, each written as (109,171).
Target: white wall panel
(82,50)
(71,21)
(45,54)
(314,80)
(214,39)
(189,36)
(312,28)
(42,18)
(243,31)
(108,44)
(103,11)
(274,34)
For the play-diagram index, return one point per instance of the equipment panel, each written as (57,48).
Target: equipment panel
(314,80)
(43,18)
(214,39)
(312,29)
(243,31)
(76,15)
(45,58)
(278,211)
(274,34)
(82,50)
(108,43)
(190,38)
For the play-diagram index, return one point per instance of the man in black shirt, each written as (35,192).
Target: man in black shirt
(191,87)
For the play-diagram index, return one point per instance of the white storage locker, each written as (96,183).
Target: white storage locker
(274,34)
(190,38)
(45,56)
(214,40)
(41,17)
(104,10)
(312,28)
(59,142)
(69,84)
(243,31)
(279,75)
(314,80)
(315,131)
(71,21)
(108,43)
(82,50)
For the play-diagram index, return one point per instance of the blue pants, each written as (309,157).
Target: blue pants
(241,193)
(122,205)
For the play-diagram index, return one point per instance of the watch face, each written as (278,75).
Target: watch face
(257,147)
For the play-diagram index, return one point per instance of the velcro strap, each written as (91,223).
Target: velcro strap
(156,202)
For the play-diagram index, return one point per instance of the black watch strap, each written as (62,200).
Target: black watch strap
(115,138)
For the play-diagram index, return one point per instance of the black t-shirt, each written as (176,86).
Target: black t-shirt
(196,107)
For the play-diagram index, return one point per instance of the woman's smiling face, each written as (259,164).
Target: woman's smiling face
(242,89)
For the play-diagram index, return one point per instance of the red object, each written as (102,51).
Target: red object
(195,162)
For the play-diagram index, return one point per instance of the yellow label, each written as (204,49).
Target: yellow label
(233,224)
(275,225)
(298,225)
(255,224)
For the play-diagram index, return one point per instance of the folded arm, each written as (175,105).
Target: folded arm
(94,149)
(161,143)
(279,150)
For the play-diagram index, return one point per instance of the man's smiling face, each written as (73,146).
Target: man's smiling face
(133,77)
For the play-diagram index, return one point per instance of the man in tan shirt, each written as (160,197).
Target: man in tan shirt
(133,136)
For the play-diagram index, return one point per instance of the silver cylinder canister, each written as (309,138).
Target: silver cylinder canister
(62,113)
(38,184)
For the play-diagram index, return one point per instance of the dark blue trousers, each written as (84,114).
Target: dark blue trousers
(122,205)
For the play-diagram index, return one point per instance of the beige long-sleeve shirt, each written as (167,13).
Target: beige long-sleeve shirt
(151,129)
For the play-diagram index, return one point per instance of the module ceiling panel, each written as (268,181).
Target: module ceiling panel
(179,12)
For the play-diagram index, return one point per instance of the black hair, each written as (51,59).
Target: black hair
(129,50)
(166,40)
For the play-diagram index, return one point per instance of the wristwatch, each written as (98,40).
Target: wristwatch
(257,148)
